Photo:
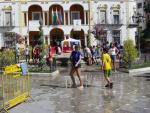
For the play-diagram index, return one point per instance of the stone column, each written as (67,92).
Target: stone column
(43,15)
(28,39)
(27,19)
(84,17)
(88,17)
(68,17)
(85,40)
(48,39)
(48,18)
(64,18)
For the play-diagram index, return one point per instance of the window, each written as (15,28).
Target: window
(103,17)
(116,17)
(74,16)
(36,15)
(103,36)
(139,5)
(116,36)
(8,21)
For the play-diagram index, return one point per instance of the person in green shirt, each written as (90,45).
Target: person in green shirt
(106,67)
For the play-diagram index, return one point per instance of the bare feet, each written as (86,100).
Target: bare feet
(80,87)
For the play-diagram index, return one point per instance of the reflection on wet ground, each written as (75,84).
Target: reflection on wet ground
(129,95)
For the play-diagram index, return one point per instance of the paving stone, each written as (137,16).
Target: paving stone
(129,95)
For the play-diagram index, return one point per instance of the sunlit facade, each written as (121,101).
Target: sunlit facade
(67,18)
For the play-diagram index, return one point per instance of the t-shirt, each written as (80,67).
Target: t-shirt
(112,51)
(26,51)
(50,57)
(87,52)
(59,50)
(106,61)
(75,56)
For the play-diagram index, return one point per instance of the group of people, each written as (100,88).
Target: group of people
(36,53)
(107,55)
(94,54)
(26,53)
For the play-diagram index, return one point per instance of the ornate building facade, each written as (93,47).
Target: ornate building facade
(67,18)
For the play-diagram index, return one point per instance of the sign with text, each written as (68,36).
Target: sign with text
(77,25)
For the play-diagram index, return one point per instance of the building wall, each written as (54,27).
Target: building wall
(141,11)
(20,17)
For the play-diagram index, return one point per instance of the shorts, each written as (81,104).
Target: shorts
(113,57)
(107,73)
(79,66)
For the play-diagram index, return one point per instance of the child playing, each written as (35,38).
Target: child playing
(75,61)
(106,67)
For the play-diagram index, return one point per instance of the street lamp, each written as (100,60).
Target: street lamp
(138,18)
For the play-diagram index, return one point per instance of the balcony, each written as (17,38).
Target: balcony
(7,25)
(132,24)
(112,24)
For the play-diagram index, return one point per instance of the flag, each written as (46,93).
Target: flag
(57,18)
(60,17)
(52,16)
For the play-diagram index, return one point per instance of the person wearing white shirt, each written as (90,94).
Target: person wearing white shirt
(113,51)
(27,54)
(88,55)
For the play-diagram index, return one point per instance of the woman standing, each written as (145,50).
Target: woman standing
(113,51)
(75,65)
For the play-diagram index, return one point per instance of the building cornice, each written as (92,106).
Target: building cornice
(66,1)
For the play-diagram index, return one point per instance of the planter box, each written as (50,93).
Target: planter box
(137,71)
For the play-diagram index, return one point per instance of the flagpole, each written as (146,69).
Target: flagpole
(52,16)
(57,18)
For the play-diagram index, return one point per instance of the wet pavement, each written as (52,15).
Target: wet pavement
(130,94)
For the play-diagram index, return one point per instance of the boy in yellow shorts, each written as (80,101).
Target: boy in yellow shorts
(106,67)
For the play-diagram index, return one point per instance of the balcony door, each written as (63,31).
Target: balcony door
(36,15)
(103,17)
(115,17)
(8,21)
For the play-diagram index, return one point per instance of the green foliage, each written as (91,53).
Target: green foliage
(41,46)
(89,40)
(7,57)
(147,8)
(129,52)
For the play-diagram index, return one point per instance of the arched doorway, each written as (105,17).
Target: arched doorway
(78,35)
(56,36)
(33,38)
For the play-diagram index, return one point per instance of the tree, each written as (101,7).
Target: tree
(7,57)
(146,36)
(147,8)
(41,46)
(129,52)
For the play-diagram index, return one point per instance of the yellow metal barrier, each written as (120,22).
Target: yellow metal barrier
(15,85)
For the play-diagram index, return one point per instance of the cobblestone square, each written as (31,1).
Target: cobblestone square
(130,94)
